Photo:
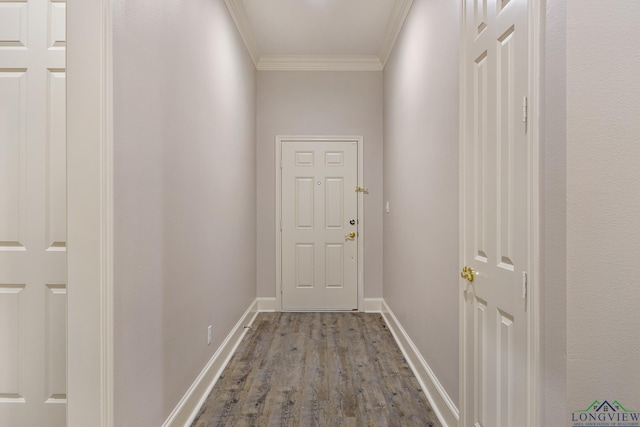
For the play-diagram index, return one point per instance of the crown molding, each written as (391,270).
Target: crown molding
(319,63)
(239,16)
(398,16)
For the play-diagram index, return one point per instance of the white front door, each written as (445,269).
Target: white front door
(496,220)
(32,214)
(319,225)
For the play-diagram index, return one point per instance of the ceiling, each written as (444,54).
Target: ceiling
(319,34)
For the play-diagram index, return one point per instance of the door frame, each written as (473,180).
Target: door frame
(360,229)
(534,292)
(90,213)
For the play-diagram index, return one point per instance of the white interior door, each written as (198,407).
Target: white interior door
(496,220)
(319,225)
(32,213)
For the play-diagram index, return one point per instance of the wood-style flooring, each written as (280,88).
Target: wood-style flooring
(317,369)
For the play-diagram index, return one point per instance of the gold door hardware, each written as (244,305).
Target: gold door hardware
(351,235)
(468,273)
(362,190)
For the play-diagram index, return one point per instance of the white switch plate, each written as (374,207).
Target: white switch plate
(209,335)
(386,208)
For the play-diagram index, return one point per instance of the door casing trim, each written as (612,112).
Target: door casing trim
(359,139)
(90,312)
(536,369)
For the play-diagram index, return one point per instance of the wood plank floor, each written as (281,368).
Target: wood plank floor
(317,369)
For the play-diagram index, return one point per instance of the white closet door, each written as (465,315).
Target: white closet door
(32,214)
(496,214)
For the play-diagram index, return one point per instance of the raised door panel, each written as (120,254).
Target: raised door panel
(304,203)
(305,265)
(480,359)
(504,374)
(334,158)
(57,25)
(55,344)
(11,305)
(506,138)
(56,163)
(334,265)
(13,25)
(480,15)
(334,203)
(13,122)
(480,112)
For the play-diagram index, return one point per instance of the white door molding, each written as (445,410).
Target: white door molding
(536,35)
(90,213)
(361,214)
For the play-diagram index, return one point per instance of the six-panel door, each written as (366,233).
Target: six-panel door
(32,213)
(319,213)
(496,191)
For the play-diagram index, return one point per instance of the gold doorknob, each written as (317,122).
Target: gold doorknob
(467,273)
(351,235)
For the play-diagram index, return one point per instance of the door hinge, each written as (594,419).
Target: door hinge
(525,109)
(524,284)
(361,190)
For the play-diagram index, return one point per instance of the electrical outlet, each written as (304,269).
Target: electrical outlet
(209,335)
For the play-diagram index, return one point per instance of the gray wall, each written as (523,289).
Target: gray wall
(590,206)
(185,199)
(603,207)
(421,184)
(319,103)
(553,216)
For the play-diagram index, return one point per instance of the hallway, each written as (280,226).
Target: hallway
(171,199)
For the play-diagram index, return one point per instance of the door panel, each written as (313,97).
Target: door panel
(13,93)
(56,162)
(334,265)
(32,214)
(11,303)
(305,265)
(55,348)
(319,259)
(495,214)
(304,200)
(334,203)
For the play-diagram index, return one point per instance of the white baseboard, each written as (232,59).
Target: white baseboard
(373,305)
(442,405)
(188,407)
(266,304)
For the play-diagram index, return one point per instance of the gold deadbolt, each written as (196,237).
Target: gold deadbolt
(468,273)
